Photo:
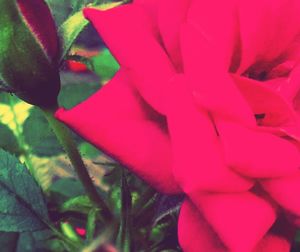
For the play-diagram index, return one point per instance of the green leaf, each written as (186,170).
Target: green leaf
(33,241)
(22,207)
(88,151)
(72,94)
(56,245)
(37,241)
(7,98)
(81,204)
(75,24)
(64,189)
(69,232)
(79,4)
(25,241)
(70,30)
(104,65)
(39,136)
(8,241)
(91,224)
(8,141)
(60,10)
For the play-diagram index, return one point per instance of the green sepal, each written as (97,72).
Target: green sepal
(24,65)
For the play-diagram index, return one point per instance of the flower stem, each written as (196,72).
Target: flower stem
(66,140)
(125,241)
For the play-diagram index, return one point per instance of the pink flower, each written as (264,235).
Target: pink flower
(205,103)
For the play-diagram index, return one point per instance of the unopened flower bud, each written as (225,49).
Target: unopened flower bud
(29,49)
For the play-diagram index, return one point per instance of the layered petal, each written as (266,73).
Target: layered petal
(267,29)
(285,191)
(176,11)
(240,220)
(209,80)
(198,160)
(279,237)
(265,100)
(271,243)
(257,154)
(151,6)
(149,65)
(290,88)
(194,233)
(217,24)
(129,131)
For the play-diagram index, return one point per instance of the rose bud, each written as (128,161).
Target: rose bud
(29,49)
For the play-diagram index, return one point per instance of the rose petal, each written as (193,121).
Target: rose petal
(151,6)
(194,233)
(258,154)
(127,32)
(208,78)
(264,99)
(285,191)
(171,14)
(262,23)
(241,220)
(279,238)
(217,23)
(290,88)
(197,156)
(118,121)
(271,243)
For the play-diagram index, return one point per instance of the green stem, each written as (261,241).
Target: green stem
(66,140)
(125,233)
(70,244)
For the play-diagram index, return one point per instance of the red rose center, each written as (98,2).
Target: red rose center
(263,71)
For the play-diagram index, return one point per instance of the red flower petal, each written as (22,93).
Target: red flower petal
(241,220)
(258,154)
(142,55)
(194,233)
(290,88)
(267,29)
(217,25)
(285,191)
(271,243)
(279,237)
(118,121)
(263,99)
(207,76)
(175,10)
(197,155)
(151,6)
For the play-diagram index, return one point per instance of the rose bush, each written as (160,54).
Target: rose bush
(205,103)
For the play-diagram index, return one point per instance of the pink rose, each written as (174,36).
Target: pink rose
(205,103)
